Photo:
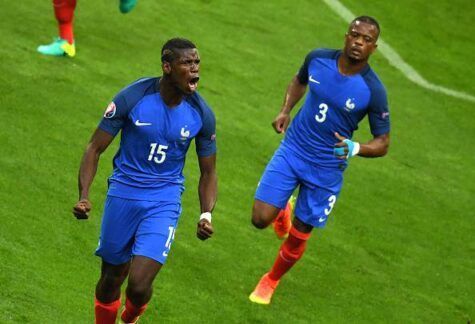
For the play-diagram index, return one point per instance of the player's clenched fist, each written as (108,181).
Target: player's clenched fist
(82,208)
(204,229)
(281,122)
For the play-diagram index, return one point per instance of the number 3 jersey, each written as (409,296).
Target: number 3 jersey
(154,141)
(334,103)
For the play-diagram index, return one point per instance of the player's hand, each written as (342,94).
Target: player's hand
(82,208)
(204,229)
(341,148)
(345,148)
(281,122)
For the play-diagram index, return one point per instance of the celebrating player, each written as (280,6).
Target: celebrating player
(343,89)
(158,118)
(64,13)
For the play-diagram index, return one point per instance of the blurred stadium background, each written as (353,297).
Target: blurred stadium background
(400,244)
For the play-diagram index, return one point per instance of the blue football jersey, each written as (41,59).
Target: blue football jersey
(334,103)
(154,141)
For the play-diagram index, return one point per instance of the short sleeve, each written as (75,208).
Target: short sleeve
(302,75)
(115,115)
(206,138)
(378,112)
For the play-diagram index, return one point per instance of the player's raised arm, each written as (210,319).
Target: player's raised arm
(295,91)
(100,140)
(207,190)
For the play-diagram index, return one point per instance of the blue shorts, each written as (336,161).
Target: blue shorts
(318,186)
(137,227)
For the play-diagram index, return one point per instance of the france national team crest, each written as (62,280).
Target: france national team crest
(184,133)
(350,105)
(110,110)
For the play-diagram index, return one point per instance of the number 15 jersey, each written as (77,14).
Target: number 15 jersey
(154,141)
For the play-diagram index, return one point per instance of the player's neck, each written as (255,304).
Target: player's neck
(170,94)
(346,66)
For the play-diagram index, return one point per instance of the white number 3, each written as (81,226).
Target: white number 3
(322,114)
(331,203)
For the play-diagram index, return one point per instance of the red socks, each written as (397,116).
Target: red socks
(132,312)
(290,252)
(64,12)
(106,313)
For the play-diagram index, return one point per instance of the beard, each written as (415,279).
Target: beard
(354,60)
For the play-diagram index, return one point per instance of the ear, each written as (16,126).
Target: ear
(375,46)
(166,67)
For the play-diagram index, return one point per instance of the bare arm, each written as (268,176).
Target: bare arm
(100,140)
(377,147)
(294,93)
(207,190)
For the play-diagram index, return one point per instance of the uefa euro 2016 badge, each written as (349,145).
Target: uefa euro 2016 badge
(350,105)
(110,110)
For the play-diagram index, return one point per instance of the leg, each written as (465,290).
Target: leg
(64,13)
(274,189)
(153,240)
(119,223)
(263,214)
(291,250)
(139,289)
(64,44)
(107,300)
(313,207)
(289,253)
(112,277)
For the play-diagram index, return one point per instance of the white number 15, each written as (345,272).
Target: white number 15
(159,155)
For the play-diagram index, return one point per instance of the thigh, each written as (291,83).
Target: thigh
(278,181)
(143,271)
(119,223)
(156,231)
(317,197)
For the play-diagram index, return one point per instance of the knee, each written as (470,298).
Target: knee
(110,281)
(138,292)
(258,220)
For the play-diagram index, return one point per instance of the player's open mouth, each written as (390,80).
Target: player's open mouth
(193,83)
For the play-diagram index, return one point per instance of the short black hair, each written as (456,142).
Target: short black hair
(171,47)
(369,20)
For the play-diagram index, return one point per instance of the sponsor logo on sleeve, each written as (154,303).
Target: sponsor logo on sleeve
(110,110)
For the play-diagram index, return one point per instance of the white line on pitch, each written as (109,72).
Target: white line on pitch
(395,60)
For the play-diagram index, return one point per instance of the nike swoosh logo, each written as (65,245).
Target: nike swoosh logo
(138,123)
(311,79)
(321,219)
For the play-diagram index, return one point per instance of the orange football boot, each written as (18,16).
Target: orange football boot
(264,290)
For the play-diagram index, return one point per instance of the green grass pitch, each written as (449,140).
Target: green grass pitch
(400,244)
